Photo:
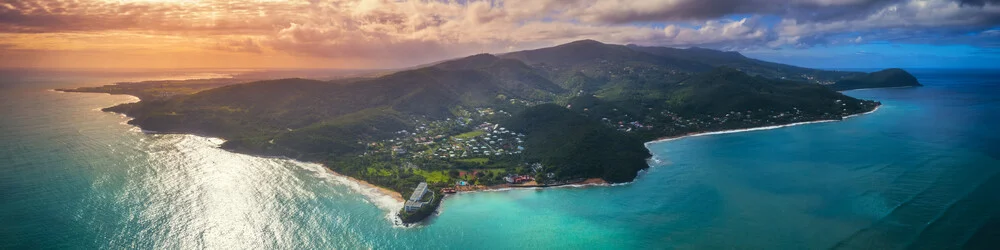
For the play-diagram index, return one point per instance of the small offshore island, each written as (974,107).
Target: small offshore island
(577,113)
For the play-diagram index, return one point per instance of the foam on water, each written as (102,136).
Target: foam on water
(372,194)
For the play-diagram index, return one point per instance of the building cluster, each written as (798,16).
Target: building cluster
(518,179)
(492,140)
(747,118)
(452,138)
(735,119)
(626,126)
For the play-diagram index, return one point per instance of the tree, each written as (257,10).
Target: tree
(540,178)
(453,173)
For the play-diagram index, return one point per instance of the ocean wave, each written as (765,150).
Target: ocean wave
(865,113)
(372,194)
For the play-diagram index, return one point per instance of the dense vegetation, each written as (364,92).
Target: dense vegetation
(880,79)
(725,89)
(585,109)
(573,146)
(750,66)
(160,90)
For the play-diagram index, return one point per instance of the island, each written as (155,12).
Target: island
(577,113)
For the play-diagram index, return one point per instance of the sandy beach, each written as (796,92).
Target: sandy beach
(505,187)
(592,181)
(670,138)
(364,184)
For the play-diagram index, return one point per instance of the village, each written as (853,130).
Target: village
(674,123)
(469,152)
(472,152)
(458,138)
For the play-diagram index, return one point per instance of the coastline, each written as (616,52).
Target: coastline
(392,201)
(381,197)
(590,182)
(393,194)
(396,196)
(897,87)
(671,138)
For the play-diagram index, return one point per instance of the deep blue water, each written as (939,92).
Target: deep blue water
(921,173)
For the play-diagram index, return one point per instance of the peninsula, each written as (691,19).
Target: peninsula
(573,113)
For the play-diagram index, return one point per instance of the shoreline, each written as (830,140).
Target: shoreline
(671,138)
(392,201)
(385,191)
(396,196)
(370,191)
(590,182)
(897,87)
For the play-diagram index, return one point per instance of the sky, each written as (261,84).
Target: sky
(354,34)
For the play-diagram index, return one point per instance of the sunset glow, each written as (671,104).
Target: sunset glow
(383,33)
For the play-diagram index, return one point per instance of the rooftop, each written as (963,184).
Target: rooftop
(418,193)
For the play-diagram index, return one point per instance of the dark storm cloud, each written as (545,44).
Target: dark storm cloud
(686,10)
(979,2)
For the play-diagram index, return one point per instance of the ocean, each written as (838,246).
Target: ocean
(920,173)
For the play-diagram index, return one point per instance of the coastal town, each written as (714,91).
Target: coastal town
(472,152)
(472,149)
(468,151)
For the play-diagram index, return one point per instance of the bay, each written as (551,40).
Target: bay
(921,172)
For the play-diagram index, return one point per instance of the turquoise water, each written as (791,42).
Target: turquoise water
(921,172)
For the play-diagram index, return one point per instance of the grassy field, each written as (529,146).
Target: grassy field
(474,160)
(433,176)
(470,135)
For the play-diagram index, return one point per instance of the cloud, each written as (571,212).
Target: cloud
(626,11)
(38,16)
(247,45)
(911,21)
(743,31)
(979,2)
(400,33)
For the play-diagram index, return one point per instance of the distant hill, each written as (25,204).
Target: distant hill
(751,66)
(725,89)
(622,72)
(880,79)
(585,108)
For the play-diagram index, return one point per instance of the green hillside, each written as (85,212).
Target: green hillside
(880,79)
(573,111)
(573,146)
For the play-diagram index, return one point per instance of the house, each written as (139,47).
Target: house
(517,179)
(398,150)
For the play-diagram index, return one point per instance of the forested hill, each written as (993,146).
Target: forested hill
(578,110)
(880,79)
